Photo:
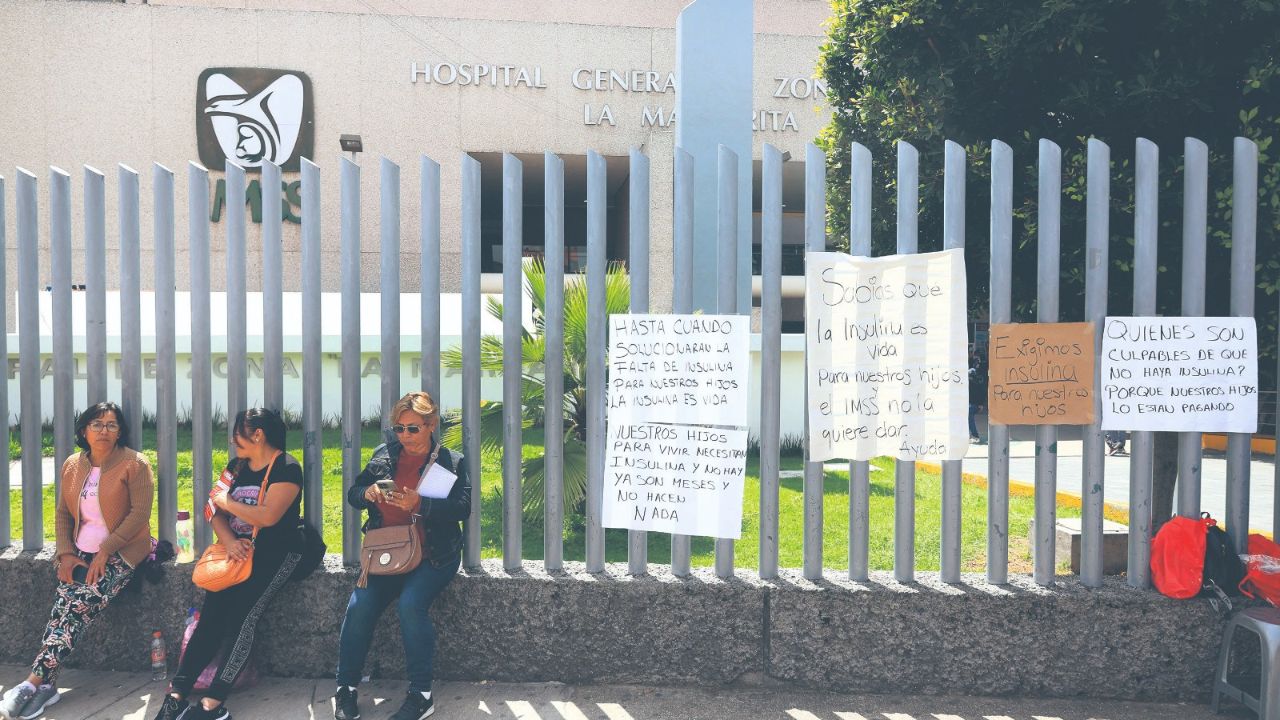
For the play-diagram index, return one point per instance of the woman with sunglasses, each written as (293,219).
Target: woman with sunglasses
(398,467)
(103,530)
(229,618)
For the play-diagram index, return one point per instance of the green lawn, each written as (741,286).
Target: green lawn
(746,552)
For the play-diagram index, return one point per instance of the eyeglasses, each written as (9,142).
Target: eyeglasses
(411,429)
(99,426)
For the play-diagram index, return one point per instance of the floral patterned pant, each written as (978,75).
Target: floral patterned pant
(75,606)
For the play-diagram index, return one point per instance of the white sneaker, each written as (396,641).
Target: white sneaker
(45,696)
(15,700)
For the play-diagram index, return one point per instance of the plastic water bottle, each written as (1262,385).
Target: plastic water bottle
(186,538)
(159,662)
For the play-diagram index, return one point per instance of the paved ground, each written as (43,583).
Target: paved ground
(1213,481)
(121,696)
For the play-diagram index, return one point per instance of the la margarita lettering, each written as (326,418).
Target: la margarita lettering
(651,82)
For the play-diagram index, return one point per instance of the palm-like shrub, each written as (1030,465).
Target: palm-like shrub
(573,413)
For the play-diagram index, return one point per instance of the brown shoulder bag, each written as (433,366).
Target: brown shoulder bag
(393,550)
(215,570)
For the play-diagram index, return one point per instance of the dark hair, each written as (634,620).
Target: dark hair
(93,412)
(262,419)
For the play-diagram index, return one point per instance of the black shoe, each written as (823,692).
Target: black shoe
(344,704)
(415,707)
(172,708)
(198,712)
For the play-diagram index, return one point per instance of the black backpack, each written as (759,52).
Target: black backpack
(1223,569)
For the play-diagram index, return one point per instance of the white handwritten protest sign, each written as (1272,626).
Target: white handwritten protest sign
(1180,374)
(675,478)
(887,362)
(679,368)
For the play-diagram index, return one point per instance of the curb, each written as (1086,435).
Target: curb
(1110,511)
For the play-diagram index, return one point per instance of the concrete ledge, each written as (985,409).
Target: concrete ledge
(526,626)
(980,639)
(834,635)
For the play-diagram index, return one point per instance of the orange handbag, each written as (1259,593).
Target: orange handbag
(215,570)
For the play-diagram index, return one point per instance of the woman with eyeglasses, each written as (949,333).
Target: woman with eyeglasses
(103,530)
(388,489)
(265,496)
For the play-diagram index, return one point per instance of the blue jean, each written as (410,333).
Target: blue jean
(415,592)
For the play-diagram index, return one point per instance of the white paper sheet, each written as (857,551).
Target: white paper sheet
(1180,374)
(887,356)
(675,478)
(436,482)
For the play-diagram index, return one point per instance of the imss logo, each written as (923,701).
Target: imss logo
(254,115)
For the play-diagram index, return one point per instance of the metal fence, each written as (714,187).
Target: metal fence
(1244,214)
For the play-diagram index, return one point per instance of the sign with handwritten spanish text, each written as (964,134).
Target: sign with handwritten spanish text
(679,368)
(1180,374)
(1041,374)
(887,356)
(674,478)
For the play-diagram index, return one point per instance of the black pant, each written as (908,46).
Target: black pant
(229,620)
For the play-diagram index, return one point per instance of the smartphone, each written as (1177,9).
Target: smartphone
(386,485)
(79,573)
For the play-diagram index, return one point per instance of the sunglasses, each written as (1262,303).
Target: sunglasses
(411,429)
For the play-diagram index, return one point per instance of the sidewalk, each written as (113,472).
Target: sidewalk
(1213,474)
(89,695)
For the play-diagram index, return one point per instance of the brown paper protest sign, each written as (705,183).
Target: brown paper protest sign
(1041,374)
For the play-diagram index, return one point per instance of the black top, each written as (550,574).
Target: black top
(283,536)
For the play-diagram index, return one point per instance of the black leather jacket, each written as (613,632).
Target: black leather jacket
(440,517)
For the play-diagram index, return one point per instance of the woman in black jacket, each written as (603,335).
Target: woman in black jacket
(403,462)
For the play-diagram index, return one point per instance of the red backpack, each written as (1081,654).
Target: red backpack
(1193,556)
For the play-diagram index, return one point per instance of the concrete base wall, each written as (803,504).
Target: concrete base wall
(924,637)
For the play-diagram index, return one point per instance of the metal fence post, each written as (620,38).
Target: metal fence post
(237,302)
(312,360)
(166,480)
(512,360)
(770,356)
(1048,257)
(1244,239)
(597,318)
(389,231)
(638,267)
(429,236)
(471,349)
(95,268)
(1000,311)
(29,361)
(6,524)
(272,290)
(859,470)
(351,410)
(63,359)
(727,297)
(904,493)
(553,389)
(1097,237)
(1195,230)
(201,351)
(682,289)
(953,237)
(1145,228)
(815,240)
(130,304)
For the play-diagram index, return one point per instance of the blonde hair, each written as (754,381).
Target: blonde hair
(419,402)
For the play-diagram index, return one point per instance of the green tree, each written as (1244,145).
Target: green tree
(924,71)
(573,414)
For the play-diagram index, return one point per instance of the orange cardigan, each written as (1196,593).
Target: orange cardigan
(125,490)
